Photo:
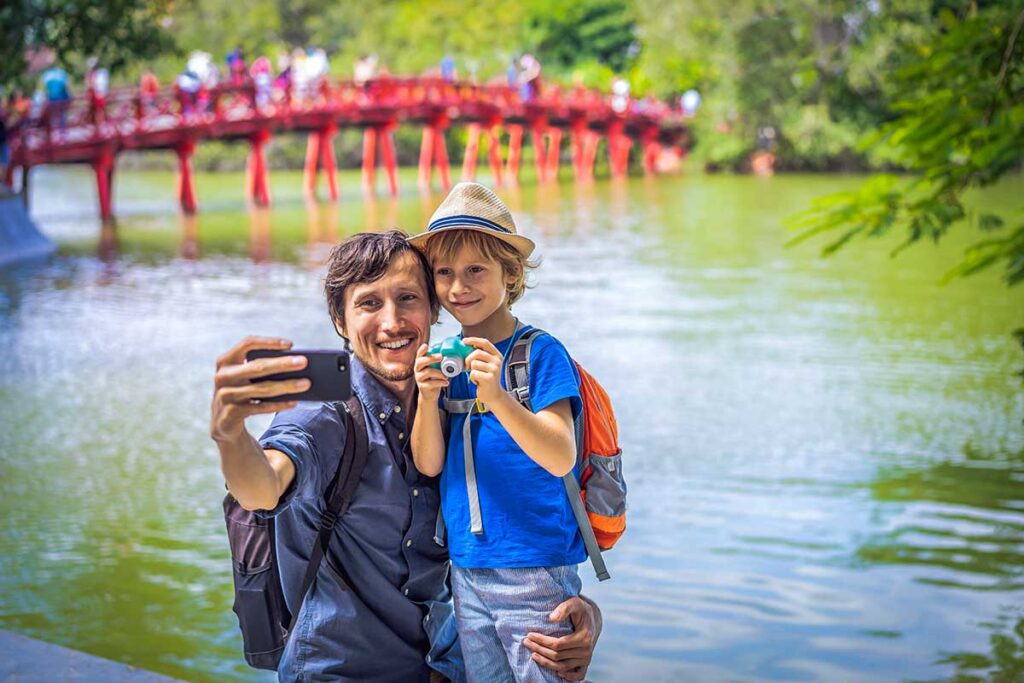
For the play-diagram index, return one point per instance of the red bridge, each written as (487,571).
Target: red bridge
(87,130)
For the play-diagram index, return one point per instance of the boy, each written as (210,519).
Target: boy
(513,539)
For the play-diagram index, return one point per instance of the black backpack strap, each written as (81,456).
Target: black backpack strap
(340,491)
(517,368)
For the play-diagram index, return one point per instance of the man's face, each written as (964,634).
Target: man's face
(387,320)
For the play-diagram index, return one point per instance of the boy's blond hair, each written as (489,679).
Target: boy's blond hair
(446,245)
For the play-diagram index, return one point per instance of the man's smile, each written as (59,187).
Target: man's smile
(396,344)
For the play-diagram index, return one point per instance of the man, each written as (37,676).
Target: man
(380,609)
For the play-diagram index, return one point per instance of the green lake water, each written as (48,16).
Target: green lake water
(825,457)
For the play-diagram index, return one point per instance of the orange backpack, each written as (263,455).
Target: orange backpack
(599,500)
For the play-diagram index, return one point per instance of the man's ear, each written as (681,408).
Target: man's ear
(339,327)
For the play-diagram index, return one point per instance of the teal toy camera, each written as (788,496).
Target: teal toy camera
(453,355)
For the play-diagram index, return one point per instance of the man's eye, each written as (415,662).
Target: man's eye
(368,303)
(410,297)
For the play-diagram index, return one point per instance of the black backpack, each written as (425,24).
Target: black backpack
(259,598)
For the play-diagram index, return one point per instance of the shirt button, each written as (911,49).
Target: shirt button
(428,659)
(405,592)
(401,435)
(408,543)
(426,620)
(415,492)
(383,416)
(398,409)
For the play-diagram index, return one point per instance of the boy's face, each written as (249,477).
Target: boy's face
(471,287)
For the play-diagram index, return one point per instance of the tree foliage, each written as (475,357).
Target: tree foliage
(958,125)
(115,31)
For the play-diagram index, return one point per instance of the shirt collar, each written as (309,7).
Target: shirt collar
(378,400)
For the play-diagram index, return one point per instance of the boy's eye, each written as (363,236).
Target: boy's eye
(443,271)
(476,269)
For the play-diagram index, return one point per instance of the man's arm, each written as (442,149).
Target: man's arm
(255,477)
(569,655)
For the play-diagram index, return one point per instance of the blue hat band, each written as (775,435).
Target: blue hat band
(465,221)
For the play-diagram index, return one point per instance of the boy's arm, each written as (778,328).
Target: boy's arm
(427,440)
(546,436)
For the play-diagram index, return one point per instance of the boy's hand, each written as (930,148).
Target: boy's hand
(430,381)
(484,366)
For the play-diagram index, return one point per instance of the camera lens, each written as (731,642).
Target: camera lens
(450,367)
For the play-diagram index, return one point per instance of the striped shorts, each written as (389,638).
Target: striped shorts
(496,608)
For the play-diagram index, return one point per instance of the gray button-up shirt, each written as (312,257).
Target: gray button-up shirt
(390,618)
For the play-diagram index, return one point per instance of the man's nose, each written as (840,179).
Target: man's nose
(390,316)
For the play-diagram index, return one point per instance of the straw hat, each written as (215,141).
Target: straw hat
(470,206)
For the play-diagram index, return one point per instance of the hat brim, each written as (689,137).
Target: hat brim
(524,245)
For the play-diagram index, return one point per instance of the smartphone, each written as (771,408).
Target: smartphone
(328,371)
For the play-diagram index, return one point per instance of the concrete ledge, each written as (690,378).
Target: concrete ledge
(20,239)
(25,660)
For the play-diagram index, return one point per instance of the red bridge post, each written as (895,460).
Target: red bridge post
(539,150)
(434,152)
(651,150)
(103,165)
(515,153)
(370,161)
(494,151)
(472,152)
(186,185)
(327,159)
(387,151)
(618,149)
(312,164)
(259,182)
(554,153)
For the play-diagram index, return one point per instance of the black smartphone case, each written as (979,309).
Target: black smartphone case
(327,370)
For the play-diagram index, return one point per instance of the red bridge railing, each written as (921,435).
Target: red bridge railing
(94,130)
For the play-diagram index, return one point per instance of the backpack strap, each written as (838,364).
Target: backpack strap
(340,491)
(572,488)
(517,369)
(517,381)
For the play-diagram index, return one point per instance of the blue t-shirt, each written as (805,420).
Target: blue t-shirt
(527,519)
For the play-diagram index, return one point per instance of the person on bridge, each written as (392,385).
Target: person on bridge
(261,81)
(235,61)
(392,618)
(149,88)
(58,96)
(97,82)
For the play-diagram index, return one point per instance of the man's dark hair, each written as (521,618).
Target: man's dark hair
(365,258)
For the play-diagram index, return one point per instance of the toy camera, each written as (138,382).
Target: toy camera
(453,355)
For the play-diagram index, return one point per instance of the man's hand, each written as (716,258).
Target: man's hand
(484,367)
(570,655)
(236,398)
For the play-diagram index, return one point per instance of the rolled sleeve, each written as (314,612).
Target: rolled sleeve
(289,433)
(298,449)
